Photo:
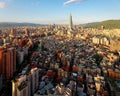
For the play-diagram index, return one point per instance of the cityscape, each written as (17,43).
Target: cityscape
(59,53)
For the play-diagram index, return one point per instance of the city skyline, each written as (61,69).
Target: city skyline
(49,12)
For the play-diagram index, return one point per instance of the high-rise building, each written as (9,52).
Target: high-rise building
(2,62)
(19,86)
(71,32)
(27,84)
(34,78)
(20,57)
(12,32)
(7,62)
(0,81)
(26,32)
(70,22)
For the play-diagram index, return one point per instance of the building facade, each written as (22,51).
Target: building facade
(0,82)
(7,62)
(27,84)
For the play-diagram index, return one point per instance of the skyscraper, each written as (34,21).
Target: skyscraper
(70,22)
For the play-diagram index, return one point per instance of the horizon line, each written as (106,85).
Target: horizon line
(53,22)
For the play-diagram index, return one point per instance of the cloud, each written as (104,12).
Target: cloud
(2,5)
(72,1)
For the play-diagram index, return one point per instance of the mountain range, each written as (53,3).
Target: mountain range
(15,24)
(108,24)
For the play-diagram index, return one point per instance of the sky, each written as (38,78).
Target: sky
(58,11)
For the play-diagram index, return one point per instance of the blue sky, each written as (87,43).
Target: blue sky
(55,11)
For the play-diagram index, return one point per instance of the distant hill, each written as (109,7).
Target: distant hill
(14,24)
(109,24)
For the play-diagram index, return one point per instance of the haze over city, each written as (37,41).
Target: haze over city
(56,11)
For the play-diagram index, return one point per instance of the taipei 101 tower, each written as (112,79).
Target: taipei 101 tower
(70,22)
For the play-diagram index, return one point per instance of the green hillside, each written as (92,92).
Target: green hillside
(109,24)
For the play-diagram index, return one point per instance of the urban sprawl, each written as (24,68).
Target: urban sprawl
(59,60)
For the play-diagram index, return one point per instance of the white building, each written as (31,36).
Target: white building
(27,84)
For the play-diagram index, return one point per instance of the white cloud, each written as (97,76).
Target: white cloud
(2,5)
(72,1)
